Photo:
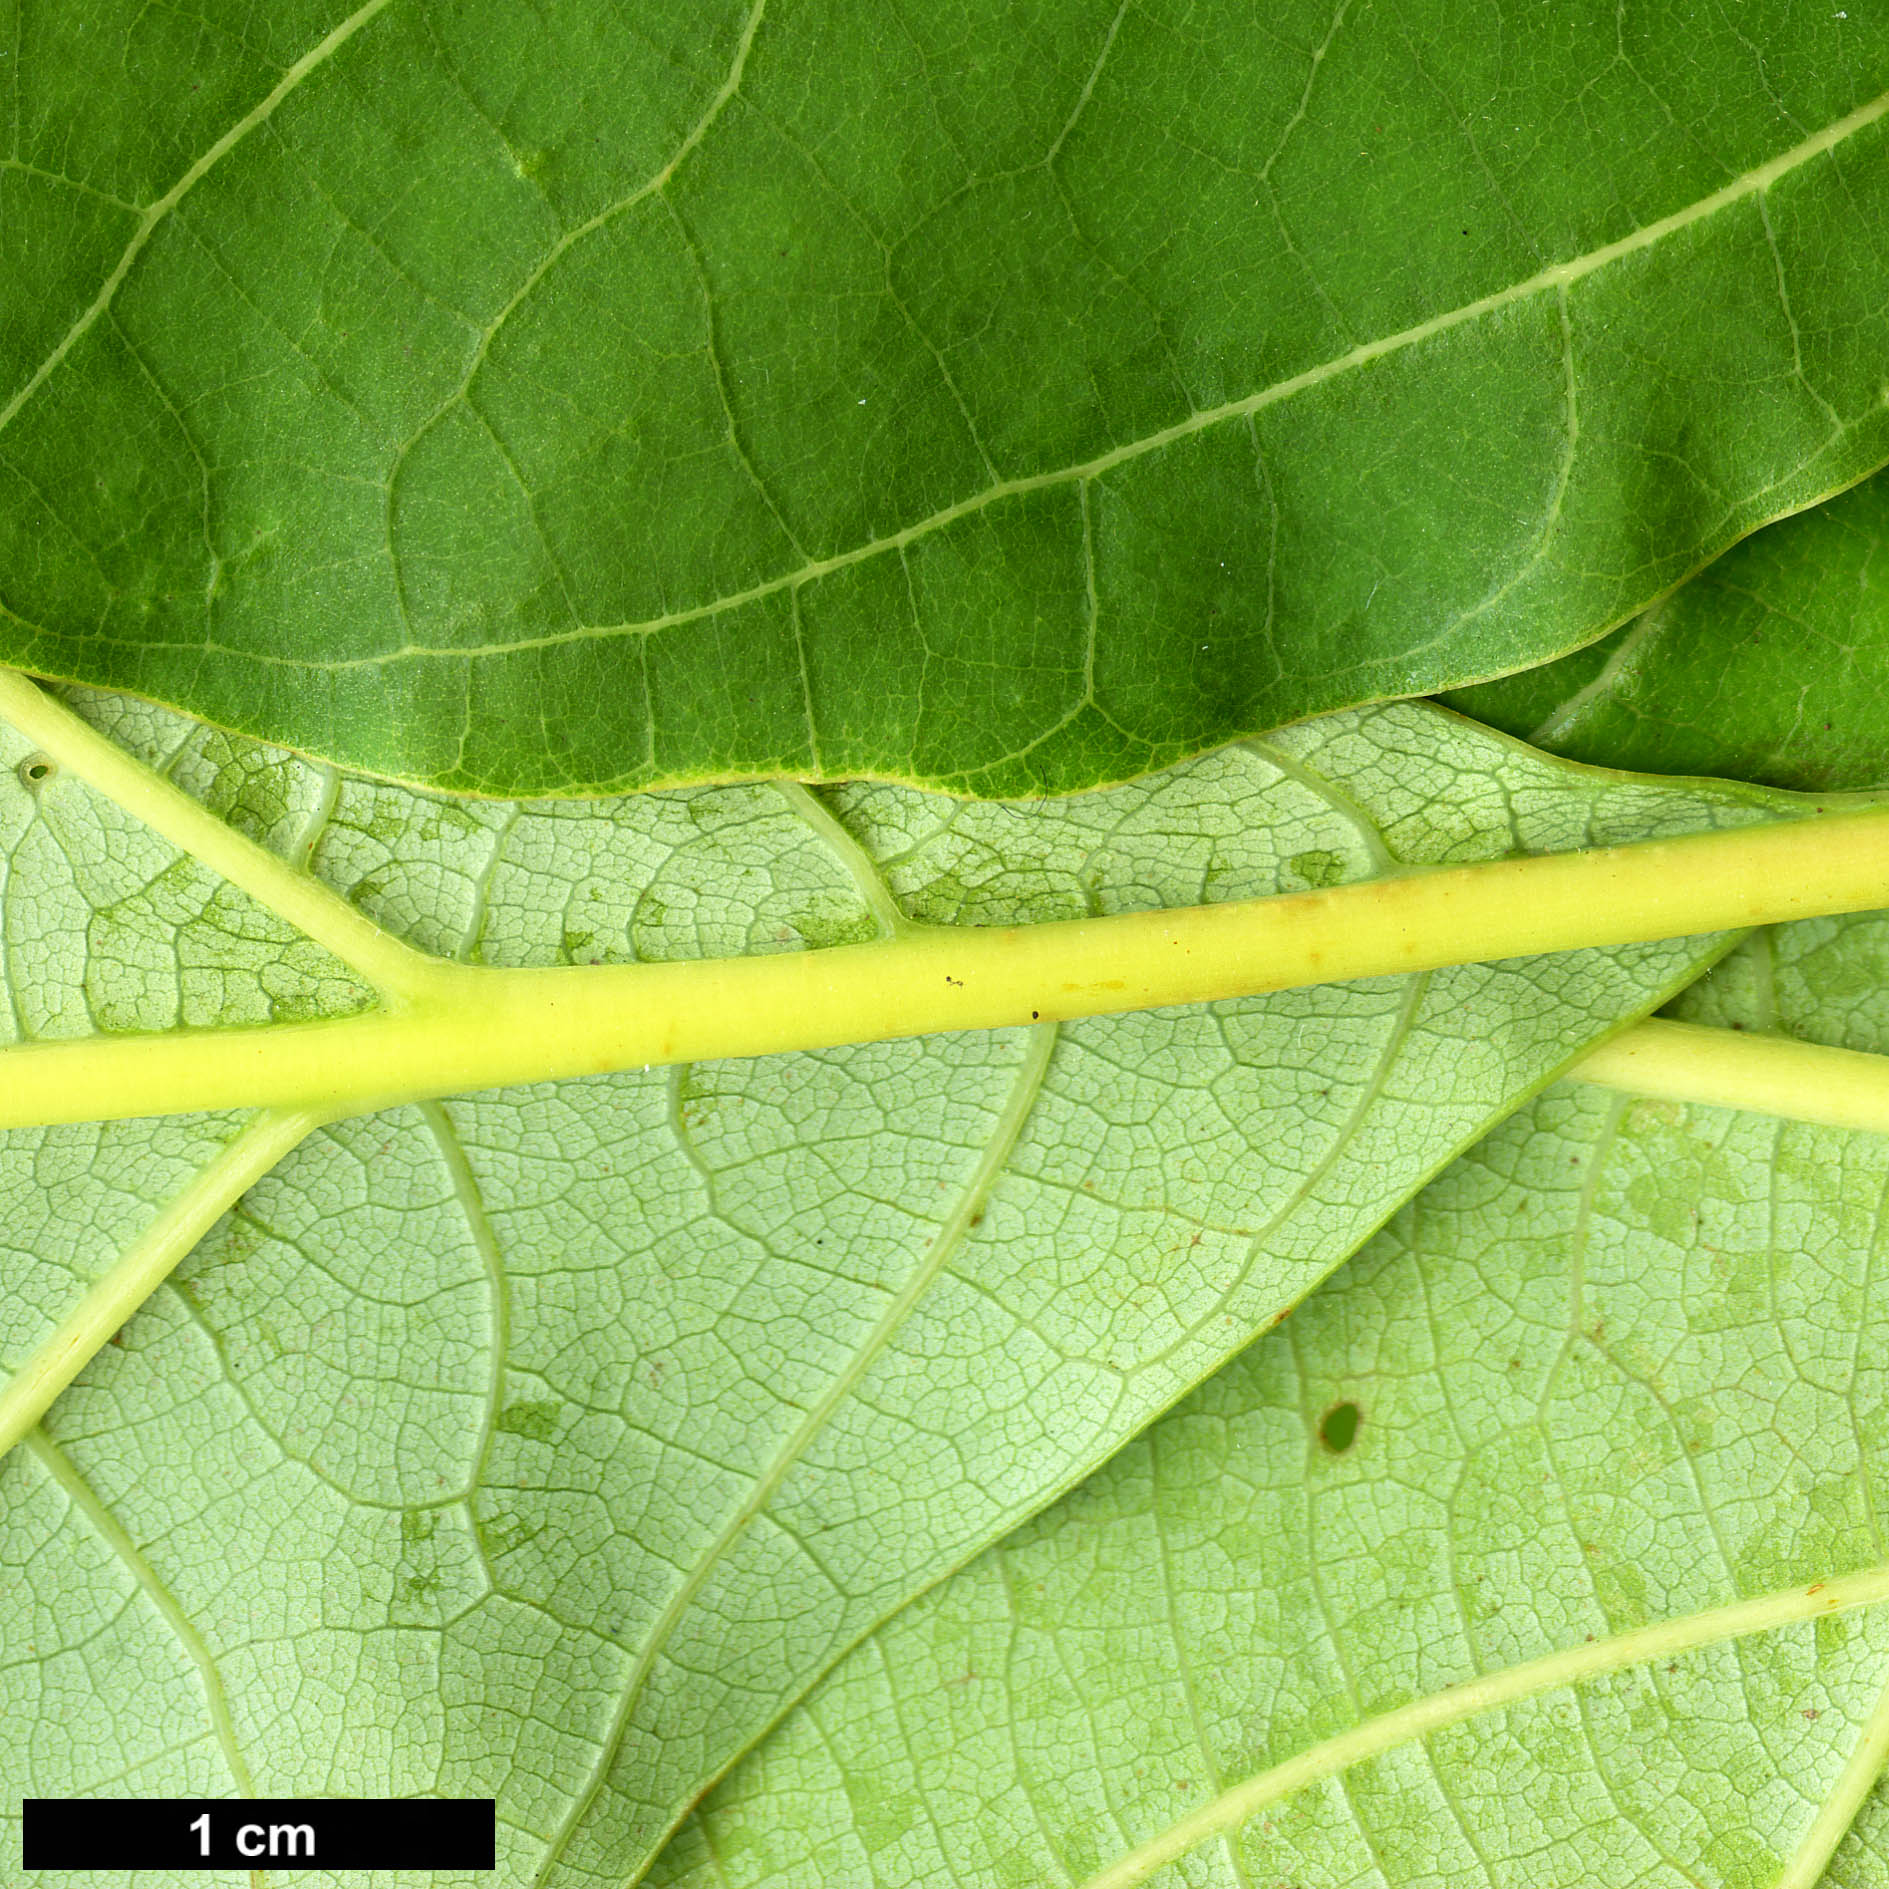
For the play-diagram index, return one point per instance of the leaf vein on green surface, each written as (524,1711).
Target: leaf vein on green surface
(1264,174)
(1843,1804)
(191,1310)
(1183,1657)
(1088,85)
(1557,494)
(642,193)
(311,61)
(1260,1242)
(465,1183)
(145,1259)
(1419,1720)
(348,221)
(719,367)
(509,347)
(909,1744)
(1707,1430)
(1580,1231)
(859,865)
(1790,317)
(527,497)
(1556,277)
(700,1266)
(87,1502)
(168,402)
(1295,766)
(1025,1088)
(1052,1847)
(70,183)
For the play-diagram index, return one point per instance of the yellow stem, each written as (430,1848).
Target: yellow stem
(1227,1812)
(455,1028)
(1770,1075)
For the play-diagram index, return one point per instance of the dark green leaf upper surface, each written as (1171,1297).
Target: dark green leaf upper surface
(1772,665)
(1006,397)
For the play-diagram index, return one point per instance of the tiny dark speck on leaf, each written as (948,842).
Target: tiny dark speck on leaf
(1338,1429)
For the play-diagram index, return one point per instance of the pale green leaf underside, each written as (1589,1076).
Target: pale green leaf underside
(996,397)
(547,1444)
(1620,1364)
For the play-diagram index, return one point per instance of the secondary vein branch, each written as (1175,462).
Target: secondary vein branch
(395,969)
(27,1394)
(1860,1775)
(1571,1666)
(1770,1075)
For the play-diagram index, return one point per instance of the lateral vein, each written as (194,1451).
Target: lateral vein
(1838,1811)
(144,1265)
(317,55)
(106,1525)
(1025,1087)
(1557,277)
(1487,1693)
(395,969)
(1741,1069)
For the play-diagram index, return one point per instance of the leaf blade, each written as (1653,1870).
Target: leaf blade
(1615,1411)
(1766,666)
(981,455)
(540,1364)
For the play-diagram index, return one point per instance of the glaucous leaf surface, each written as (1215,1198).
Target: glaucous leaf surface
(1007,397)
(1770,665)
(1620,1364)
(546,1444)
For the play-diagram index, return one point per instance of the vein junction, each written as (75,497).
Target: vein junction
(445,1028)
(143,1265)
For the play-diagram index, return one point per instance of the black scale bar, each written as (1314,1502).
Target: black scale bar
(272,1833)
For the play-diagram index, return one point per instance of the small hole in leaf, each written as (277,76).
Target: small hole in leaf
(1339,1429)
(37,769)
